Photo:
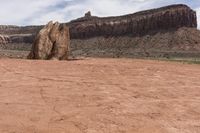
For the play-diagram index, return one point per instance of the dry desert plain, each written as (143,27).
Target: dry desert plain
(99,96)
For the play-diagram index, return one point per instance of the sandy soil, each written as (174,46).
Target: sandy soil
(99,96)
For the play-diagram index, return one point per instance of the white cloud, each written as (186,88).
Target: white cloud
(15,11)
(198,17)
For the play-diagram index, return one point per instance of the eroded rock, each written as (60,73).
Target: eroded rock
(52,42)
(88,14)
(4,39)
(137,24)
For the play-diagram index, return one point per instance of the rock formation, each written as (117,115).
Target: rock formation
(52,42)
(17,36)
(88,14)
(137,24)
(4,39)
(183,42)
(14,30)
(170,30)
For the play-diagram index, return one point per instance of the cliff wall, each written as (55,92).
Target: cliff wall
(137,24)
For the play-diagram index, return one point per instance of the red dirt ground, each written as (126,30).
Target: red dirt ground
(99,96)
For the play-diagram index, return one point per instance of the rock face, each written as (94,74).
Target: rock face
(14,30)
(52,42)
(137,24)
(4,39)
(183,42)
(18,37)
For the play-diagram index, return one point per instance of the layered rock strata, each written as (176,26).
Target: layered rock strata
(137,24)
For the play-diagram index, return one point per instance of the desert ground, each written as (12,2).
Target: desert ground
(99,96)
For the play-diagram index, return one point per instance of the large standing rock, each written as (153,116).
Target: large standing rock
(52,42)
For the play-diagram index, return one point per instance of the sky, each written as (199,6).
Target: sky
(39,12)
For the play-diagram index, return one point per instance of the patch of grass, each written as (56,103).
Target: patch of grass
(182,60)
(189,61)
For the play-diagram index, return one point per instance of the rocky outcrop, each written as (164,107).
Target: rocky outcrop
(88,14)
(4,39)
(14,30)
(52,42)
(183,42)
(18,38)
(137,24)
(18,35)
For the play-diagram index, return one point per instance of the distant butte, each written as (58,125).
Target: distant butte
(140,23)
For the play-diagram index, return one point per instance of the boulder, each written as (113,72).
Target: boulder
(52,42)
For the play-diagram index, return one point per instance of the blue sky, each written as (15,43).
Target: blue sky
(37,12)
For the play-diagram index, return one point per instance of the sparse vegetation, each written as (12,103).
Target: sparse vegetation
(179,59)
(186,60)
